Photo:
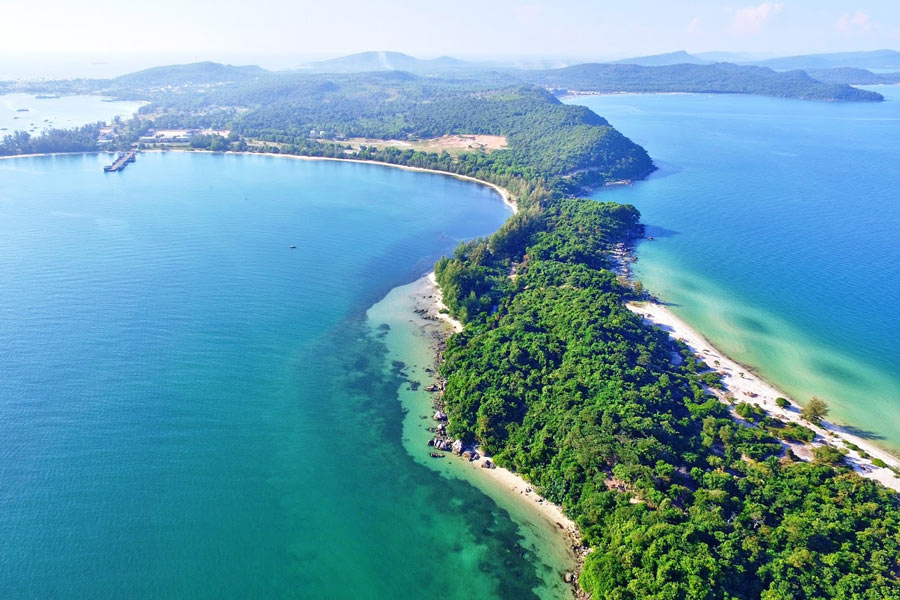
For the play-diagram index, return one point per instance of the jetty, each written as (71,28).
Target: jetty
(120,163)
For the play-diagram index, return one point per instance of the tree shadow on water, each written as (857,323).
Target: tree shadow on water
(658,232)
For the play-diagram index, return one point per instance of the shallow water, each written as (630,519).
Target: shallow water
(193,409)
(775,226)
(411,342)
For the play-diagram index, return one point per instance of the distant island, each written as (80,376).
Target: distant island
(385,96)
(676,493)
(719,78)
(672,72)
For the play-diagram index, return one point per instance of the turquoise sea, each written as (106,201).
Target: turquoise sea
(775,226)
(191,408)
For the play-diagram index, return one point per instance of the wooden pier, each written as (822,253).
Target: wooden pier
(121,162)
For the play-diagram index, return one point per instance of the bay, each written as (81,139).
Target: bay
(192,408)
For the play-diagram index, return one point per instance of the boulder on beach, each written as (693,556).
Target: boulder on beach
(457,447)
(440,416)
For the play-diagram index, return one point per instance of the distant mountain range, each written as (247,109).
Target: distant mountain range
(853,76)
(877,59)
(662,60)
(671,72)
(397,61)
(385,61)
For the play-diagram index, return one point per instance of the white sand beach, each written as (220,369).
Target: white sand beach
(744,385)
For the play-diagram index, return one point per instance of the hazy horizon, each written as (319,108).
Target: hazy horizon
(51,38)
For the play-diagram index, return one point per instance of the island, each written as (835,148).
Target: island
(678,489)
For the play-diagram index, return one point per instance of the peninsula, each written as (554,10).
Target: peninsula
(677,493)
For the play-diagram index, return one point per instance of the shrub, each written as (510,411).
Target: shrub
(744,410)
(815,410)
(828,455)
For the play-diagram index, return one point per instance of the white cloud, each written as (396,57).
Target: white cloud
(751,20)
(858,21)
(694,25)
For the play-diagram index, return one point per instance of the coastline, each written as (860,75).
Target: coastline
(9,156)
(504,194)
(558,535)
(432,300)
(750,388)
(744,385)
(582,93)
(415,336)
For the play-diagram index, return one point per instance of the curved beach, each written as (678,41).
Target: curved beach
(743,385)
(425,296)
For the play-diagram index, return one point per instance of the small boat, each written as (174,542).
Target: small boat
(436,455)
(293,247)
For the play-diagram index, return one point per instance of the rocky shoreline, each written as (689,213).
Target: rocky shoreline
(429,306)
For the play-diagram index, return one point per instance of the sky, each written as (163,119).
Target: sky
(106,35)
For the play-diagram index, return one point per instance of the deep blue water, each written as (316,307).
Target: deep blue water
(190,408)
(776,234)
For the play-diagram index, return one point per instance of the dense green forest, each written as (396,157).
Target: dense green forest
(563,384)
(719,78)
(291,113)
(546,138)
(81,139)
(552,374)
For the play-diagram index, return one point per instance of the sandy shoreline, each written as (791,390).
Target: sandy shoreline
(505,478)
(416,337)
(746,386)
(580,93)
(504,194)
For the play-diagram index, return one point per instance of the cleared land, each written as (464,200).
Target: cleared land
(454,144)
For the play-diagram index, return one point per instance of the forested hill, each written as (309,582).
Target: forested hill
(545,137)
(654,74)
(552,374)
(719,78)
(557,379)
(189,74)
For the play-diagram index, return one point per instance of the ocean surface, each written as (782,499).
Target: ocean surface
(775,226)
(191,408)
(64,112)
